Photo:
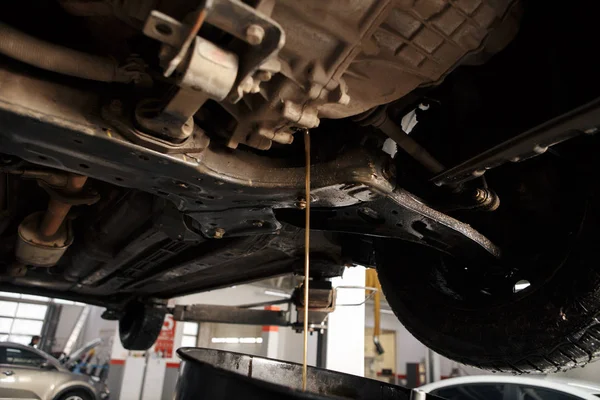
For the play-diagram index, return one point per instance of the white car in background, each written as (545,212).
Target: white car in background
(28,373)
(507,387)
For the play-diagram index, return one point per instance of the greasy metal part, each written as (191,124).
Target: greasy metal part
(57,209)
(306,256)
(362,56)
(478,199)
(229,315)
(209,72)
(400,215)
(486,199)
(321,296)
(43,238)
(240,222)
(51,177)
(205,372)
(239,19)
(62,60)
(584,119)
(118,117)
(199,17)
(322,302)
(38,250)
(74,139)
(378,118)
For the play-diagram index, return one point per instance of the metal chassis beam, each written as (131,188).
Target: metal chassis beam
(585,119)
(228,193)
(230,315)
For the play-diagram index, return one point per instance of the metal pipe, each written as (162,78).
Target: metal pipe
(52,57)
(378,118)
(52,178)
(57,210)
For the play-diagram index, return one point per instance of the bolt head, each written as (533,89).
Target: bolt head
(301,204)
(480,195)
(255,34)
(264,76)
(219,232)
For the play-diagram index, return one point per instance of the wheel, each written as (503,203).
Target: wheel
(76,395)
(140,325)
(538,310)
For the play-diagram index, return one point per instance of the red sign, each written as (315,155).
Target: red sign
(166,338)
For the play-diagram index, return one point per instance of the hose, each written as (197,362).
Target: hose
(52,57)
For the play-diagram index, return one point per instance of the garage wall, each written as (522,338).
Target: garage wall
(410,350)
(66,322)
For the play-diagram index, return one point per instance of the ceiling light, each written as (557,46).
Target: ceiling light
(277,294)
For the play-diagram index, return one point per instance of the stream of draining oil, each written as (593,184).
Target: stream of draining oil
(306,256)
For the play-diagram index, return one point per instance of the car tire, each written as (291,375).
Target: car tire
(140,325)
(551,326)
(76,395)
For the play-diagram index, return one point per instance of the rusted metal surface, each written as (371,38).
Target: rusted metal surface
(58,210)
(39,250)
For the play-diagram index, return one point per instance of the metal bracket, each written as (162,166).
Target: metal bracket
(207,72)
(265,36)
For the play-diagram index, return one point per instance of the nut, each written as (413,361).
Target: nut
(255,34)
(219,232)
(264,76)
(301,204)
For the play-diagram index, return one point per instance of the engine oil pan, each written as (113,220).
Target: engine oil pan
(217,374)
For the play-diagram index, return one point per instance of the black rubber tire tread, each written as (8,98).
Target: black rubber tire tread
(555,327)
(84,394)
(140,325)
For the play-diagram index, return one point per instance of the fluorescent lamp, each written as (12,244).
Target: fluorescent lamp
(277,294)
(236,340)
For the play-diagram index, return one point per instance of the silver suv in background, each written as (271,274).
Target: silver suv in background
(28,373)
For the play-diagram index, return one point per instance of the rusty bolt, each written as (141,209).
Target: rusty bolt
(255,34)
(219,232)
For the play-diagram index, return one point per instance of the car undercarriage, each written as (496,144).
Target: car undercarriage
(154,149)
